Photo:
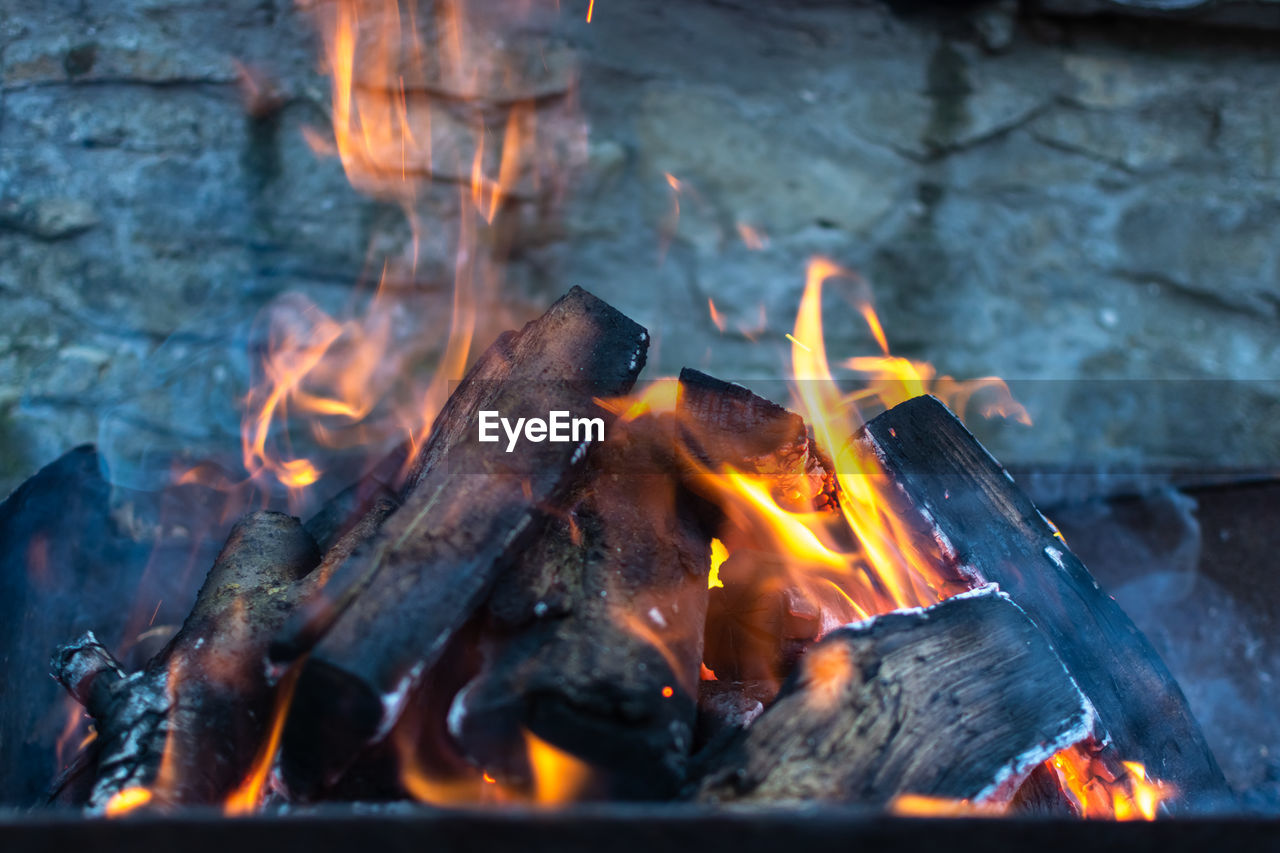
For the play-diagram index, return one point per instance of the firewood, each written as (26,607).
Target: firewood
(595,639)
(992,532)
(188,726)
(724,424)
(728,707)
(468,507)
(350,506)
(757,624)
(65,566)
(961,700)
(596,633)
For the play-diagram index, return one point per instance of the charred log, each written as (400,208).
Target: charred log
(352,505)
(961,700)
(993,532)
(65,566)
(724,424)
(187,727)
(596,634)
(467,508)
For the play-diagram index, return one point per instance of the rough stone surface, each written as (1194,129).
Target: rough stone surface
(1067,202)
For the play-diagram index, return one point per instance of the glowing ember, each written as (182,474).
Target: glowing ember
(125,801)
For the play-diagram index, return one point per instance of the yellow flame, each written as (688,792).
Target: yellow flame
(1098,793)
(247,797)
(918,805)
(719,554)
(124,801)
(557,778)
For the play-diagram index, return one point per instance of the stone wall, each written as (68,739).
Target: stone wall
(1088,206)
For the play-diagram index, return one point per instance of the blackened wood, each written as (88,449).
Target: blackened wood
(725,424)
(468,507)
(65,567)
(1042,795)
(758,622)
(994,533)
(595,639)
(350,506)
(961,700)
(188,726)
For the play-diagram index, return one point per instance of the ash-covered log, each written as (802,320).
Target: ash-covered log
(595,636)
(992,532)
(188,726)
(468,508)
(961,701)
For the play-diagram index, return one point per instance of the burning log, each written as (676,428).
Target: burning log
(993,533)
(757,624)
(596,636)
(467,509)
(726,424)
(187,727)
(596,633)
(351,506)
(961,700)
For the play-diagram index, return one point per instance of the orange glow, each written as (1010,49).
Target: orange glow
(661,396)
(715,315)
(591,7)
(668,691)
(345,378)
(125,801)
(556,779)
(247,798)
(917,805)
(751,238)
(1099,793)
(828,670)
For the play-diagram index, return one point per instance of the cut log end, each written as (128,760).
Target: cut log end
(961,700)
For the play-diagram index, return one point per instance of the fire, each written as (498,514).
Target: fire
(752,238)
(719,553)
(247,798)
(917,805)
(556,779)
(885,568)
(1097,792)
(396,130)
(126,800)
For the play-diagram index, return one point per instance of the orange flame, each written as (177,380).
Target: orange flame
(247,798)
(1098,793)
(556,779)
(918,805)
(753,239)
(124,801)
